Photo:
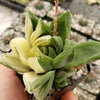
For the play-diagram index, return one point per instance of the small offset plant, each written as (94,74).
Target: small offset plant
(39,5)
(83,22)
(46,54)
(93,2)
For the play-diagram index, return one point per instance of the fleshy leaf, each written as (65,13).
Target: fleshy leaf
(29,79)
(84,53)
(52,52)
(34,64)
(63,58)
(40,85)
(21,48)
(57,43)
(69,44)
(66,56)
(40,82)
(63,25)
(44,50)
(28,27)
(35,51)
(73,43)
(12,61)
(42,41)
(45,62)
(60,79)
(36,33)
(70,72)
(41,63)
(41,93)
(41,29)
(33,18)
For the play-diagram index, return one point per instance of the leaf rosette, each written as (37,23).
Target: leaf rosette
(44,59)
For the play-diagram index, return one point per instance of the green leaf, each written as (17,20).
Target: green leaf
(66,56)
(62,84)
(42,41)
(36,33)
(40,85)
(73,43)
(70,72)
(85,53)
(45,29)
(60,76)
(41,29)
(57,43)
(60,79)
(44,79)
(29,79)
(63,58)
(52,52)
(63,25)
(41,93)
(41,63)
(45,62)
(44,50)
(33,19)
(69,44)
(12,61)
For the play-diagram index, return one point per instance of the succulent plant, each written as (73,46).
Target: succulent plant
(83,22)
(93,2)
(43,59)
(39,5)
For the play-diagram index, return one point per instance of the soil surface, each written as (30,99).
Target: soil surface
(81,7)
(7,16)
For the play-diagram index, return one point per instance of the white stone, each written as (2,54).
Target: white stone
(7,16)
